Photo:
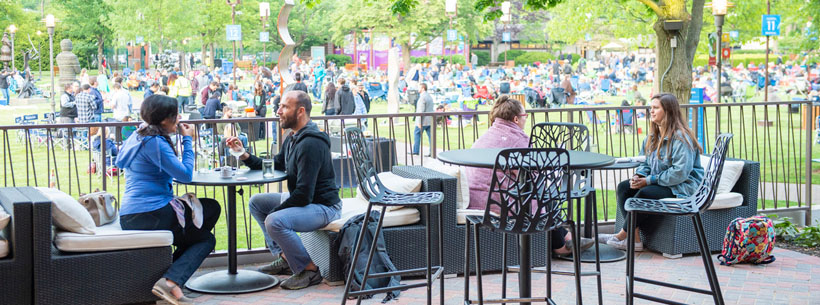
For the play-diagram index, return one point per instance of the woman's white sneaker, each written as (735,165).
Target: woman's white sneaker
(621,244)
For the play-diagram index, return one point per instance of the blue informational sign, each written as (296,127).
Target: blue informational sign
(452,35)
(234,32)
(696,97)
(264,36)
(505,37)
(734,34)
(771,25)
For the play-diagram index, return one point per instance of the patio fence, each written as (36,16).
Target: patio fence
(778,135)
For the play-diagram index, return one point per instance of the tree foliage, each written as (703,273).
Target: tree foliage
(89,28)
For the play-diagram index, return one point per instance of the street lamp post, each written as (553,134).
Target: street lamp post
(505,18)
(451,9)
(719,9)
(12,30)
(264,13)
(40,54)
(50,23)
(233,21)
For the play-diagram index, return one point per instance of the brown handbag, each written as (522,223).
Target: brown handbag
(101,207)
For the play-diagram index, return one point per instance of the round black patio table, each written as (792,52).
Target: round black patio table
(485,158)
(233,281)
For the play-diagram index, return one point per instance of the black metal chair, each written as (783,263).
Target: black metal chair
(573,136)
(692,207)
(527,195)
(378,195)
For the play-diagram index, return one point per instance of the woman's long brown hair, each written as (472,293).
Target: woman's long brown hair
(672,123)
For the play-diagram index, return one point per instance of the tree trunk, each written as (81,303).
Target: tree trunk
(678,76)
(405,56)
(674,66)
(203,57)
(212,55)
(100,54)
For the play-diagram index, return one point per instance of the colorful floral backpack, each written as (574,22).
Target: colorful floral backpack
(748,240)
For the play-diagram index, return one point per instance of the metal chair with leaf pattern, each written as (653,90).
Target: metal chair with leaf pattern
(378,195)
(692,207)
(573,136)
(527,195)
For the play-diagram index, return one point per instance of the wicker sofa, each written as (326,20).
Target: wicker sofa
(15,269)
(107,277)
(674,236)
(404,242)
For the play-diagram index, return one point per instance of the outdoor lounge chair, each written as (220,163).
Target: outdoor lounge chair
(96,276)
(16,268)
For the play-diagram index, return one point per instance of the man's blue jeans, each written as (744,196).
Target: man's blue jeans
(417,137)
(280,227)
(97,117)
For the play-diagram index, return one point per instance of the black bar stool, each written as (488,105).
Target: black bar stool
(527,195)
(379,195)
(691,207)
(572,136)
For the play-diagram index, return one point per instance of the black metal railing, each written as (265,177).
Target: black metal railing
(778,135)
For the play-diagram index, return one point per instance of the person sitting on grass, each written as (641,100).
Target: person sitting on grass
(671,170)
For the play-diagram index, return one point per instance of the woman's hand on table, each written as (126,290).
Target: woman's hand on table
(637,182)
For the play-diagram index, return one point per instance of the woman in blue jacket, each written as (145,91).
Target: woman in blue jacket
(152,163)
(671,170)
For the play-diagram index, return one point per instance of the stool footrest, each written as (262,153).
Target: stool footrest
(513,300)
(437,272)
(659,283)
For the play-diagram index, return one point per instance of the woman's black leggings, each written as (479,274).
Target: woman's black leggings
(647,192)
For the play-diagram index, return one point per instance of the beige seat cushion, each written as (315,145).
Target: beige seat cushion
(722,201)
(4,247)
(727,200)
(462,184)
(461,215)
(4,218)
(729,176)
(356,206)
(67,213)
(395,183)
(112,237)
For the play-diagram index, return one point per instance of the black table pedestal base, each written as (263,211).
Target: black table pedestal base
(221,282)
(608,254)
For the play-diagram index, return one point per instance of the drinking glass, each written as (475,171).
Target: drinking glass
(237,154)
(267,168)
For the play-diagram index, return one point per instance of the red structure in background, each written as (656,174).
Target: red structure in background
(139,56)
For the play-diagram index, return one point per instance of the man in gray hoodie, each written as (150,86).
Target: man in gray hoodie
(344,102)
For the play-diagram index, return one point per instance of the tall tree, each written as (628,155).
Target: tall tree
(157,21)
(86,19)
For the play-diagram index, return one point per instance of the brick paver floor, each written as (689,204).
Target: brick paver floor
(793,279)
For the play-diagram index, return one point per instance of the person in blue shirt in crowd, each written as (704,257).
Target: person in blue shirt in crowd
(98,99)
(152,163)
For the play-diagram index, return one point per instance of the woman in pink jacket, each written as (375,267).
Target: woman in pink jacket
(507,131)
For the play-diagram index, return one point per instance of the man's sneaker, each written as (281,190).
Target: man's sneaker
(621,244)
(277,267)
(302,280)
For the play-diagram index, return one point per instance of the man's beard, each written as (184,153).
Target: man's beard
(288,122)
